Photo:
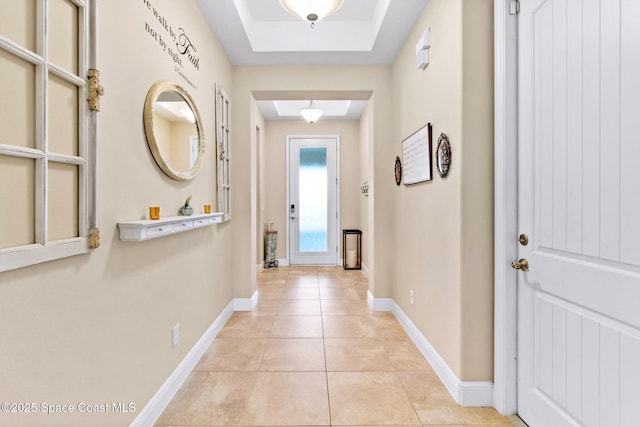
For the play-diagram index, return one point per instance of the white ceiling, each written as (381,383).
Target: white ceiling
(261,32)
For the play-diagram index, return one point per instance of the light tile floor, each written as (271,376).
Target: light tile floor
(313,353)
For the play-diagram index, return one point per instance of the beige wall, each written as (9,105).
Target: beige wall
(261,192)
(97,328)
(275,170)
(444,246)
(477,191)
(257,192)
(244,190)
(366,175)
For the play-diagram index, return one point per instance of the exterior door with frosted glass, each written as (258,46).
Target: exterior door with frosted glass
(312,202)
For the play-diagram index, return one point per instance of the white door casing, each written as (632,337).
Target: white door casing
(297,197)
(579,203)
(505,199)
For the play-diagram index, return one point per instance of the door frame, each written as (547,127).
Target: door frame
(506,207)
(287,196)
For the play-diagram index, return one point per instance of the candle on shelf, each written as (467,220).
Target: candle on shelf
(154,212)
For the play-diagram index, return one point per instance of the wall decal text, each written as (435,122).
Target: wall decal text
(175,42)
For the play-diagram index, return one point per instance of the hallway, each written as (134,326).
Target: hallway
(314,353)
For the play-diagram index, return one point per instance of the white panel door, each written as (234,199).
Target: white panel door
(579,203)
(313,201)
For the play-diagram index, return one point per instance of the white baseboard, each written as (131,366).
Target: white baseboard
(283,262)
(260,267)
(158,403)
(245,304)
(466,393)
(379,304)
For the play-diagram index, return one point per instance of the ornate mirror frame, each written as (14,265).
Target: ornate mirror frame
(154,92)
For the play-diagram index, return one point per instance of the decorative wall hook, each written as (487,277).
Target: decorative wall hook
(95,89)
(94,238)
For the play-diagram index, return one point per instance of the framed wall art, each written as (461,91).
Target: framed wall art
(416,155)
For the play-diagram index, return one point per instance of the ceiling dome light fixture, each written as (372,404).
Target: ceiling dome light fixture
(311,113)
(311,10)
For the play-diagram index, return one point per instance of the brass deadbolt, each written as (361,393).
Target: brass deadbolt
(523,239)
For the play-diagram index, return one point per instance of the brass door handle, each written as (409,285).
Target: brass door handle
(521,264)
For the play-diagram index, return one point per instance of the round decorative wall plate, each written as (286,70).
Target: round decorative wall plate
(398,171)
(443,155)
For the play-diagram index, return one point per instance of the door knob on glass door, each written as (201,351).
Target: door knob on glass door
(521,264)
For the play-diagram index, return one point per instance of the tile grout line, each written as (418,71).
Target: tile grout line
(324,350)
(395,371)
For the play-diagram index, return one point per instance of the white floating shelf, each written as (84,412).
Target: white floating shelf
(137,231)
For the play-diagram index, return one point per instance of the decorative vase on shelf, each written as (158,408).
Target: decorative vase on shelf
(186,209)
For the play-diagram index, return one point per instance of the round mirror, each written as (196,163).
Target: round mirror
(174,130)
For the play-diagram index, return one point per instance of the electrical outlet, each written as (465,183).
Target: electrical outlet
(175,335)
(411,297)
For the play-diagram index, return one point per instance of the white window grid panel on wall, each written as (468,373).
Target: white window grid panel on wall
(43,246)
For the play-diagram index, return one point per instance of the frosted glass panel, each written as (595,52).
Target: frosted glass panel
(313,200)
(17,198)
(63,201)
